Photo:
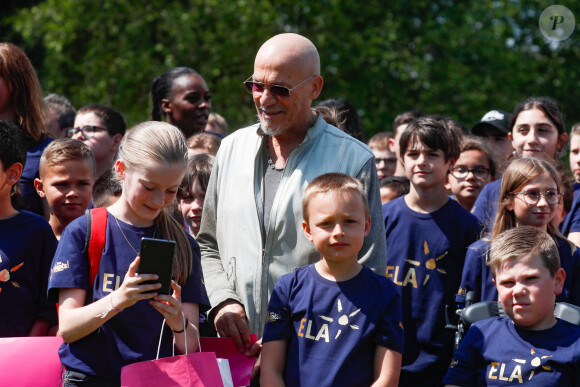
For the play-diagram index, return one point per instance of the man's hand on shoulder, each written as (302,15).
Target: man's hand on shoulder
(230,321)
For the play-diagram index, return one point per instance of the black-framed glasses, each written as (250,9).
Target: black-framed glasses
(282,92)
(478,172)
(387,161)
(88,131)
(532,196)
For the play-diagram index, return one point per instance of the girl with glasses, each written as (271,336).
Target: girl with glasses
(473,169)
(530,195)
(536,130)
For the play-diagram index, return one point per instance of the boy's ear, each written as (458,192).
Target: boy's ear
(39,188)
(117,142)
(391,144)
(306,229)
(120,169)
(559,278)
(367,225)
(13,173)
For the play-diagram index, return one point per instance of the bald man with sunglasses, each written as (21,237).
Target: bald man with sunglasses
(251,229)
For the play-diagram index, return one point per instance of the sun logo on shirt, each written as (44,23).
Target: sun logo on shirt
(343,320)
(535,362)
(5,274)
(431,263)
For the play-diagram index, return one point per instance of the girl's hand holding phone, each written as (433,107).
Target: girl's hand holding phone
(170,307)
(132,289)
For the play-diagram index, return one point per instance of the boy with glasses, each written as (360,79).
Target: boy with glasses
(473,169)
(101,128)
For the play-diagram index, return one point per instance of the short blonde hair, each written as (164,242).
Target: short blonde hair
(208,141)
(62,150)
(380,141)
(333,182)
(524,243)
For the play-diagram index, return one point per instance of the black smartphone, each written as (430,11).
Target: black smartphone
(157,258)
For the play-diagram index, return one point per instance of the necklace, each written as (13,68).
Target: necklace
(127,240)
(267,150)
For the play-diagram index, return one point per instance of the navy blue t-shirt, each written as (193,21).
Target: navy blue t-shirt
(133,334)
(485,206)
(425,255)
(27,246)
(495,352)
(571,222)
(333,328)
(477,274)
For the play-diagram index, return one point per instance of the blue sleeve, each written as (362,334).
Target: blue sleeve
(390,332)
(466,361)
(194,289)
(574,291)
(278,324)
(70,266)
(471,276)
(484,208)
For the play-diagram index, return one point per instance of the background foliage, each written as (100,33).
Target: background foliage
(460,58)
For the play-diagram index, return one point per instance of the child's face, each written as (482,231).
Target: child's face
(68,188)
(534,135)
(575,156)
(191,206)
(148,190)
(539,214)
(527,292)
(468,188)
(102,144)
(385,161)
(337,225)
(425,168)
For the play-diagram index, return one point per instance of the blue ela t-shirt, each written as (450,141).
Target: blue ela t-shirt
(333,328)
(477,276)
(133,334)
(27,246)
(495,352)
(425,255)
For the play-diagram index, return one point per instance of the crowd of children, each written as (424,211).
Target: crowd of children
(458,218)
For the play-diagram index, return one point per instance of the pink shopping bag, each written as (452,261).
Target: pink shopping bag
(30,361)
(199,369)
(224,348)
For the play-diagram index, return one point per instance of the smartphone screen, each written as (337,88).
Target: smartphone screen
(157,258)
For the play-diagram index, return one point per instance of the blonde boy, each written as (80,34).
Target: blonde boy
(67,176)
(334,322)
(530,346)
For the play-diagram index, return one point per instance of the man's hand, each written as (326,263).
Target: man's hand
(230,321)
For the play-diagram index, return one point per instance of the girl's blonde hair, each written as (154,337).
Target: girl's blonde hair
(518,173)
(24,89)
(153,143)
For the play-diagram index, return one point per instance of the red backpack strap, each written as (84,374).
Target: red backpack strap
(97,231)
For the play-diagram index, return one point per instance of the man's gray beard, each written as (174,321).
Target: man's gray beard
(272,131)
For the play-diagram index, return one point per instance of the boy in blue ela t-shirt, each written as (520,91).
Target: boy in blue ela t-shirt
(427,239)
(333,323)
(530,346)
(27,246)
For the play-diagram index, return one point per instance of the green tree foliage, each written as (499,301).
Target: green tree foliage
(442,56)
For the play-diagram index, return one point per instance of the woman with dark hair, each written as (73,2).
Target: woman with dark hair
(183,98)
(21,102)
(536,130)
